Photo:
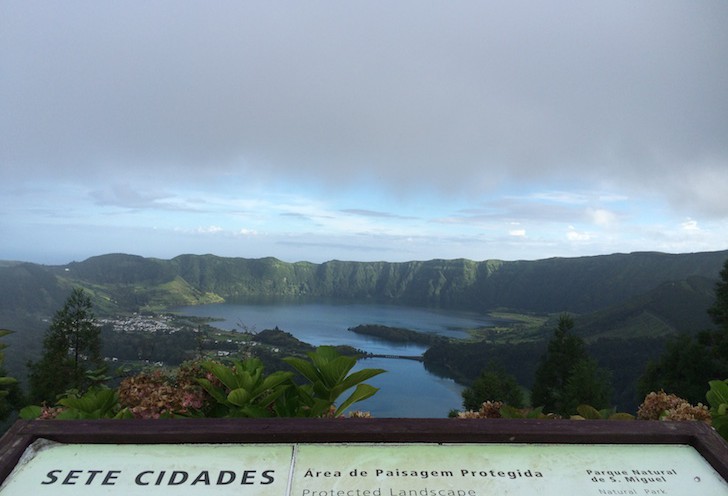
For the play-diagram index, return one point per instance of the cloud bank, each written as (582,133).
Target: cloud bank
(143,105)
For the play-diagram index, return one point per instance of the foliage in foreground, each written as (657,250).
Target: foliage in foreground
(718,399)
(213,389)
(658,406)
(663,406)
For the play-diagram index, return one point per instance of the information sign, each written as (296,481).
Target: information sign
(362,469)
(362,457)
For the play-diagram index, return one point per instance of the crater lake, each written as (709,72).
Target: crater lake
(407,389)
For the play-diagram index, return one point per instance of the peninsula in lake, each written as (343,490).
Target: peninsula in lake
(624,305)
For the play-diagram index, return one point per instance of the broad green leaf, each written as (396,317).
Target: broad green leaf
(292,402)
(720,424)
(607,412)
(213,391)
(124,414)
(95,403)
(239,397)
(362,392)
(223,374)
(325,353)
(359,376)
(305,368)
(30,412)
(535,413)
(334,371)
(70,414)
(251,364)
(320,408)
(254,411)
(621,416)
(588,412)
(274,380)
(249,374)
(718,393)
(255,376)
(322,391)
(507,411)
(83,404)
(318,361)
(273,394)
(245,380)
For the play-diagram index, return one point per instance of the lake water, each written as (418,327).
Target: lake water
(407,389)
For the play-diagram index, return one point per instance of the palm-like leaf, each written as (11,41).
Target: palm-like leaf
(328,374)
(362,392)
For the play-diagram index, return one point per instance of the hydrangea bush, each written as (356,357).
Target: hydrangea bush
(209,388)
(663,406)
(656,406)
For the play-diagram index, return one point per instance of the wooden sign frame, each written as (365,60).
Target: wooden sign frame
(698,435)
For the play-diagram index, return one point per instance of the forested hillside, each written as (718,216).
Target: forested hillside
(579,285)
(639,297)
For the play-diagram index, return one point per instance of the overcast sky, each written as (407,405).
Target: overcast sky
(371,130)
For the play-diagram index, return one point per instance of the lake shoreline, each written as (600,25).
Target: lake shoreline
(408,389)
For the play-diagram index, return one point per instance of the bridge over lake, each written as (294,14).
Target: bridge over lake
(418,358)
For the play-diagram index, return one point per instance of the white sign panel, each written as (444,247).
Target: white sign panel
(363,470)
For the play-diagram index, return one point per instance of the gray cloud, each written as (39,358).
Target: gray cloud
(455,98)
(375,213)
(125,196)
(555,207)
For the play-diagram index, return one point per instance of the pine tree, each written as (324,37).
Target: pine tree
(71,347)
(684,368)
(493,385)
(587,384)
(567,376)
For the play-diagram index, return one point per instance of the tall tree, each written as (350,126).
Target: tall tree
(587,384)
(71,347)
(684,369)
(493,385)
(567,376)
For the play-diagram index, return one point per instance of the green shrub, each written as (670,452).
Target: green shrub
(96,403)
(243,390)
(328,374)
(213,389)
(717,396)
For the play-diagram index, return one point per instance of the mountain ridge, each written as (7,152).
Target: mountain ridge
(625,305)
(125,282)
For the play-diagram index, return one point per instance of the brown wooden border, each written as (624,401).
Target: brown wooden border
(178,431)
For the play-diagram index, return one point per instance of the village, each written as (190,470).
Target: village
(166,340)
